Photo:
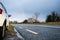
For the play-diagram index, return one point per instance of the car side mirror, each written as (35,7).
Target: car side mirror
(9,15)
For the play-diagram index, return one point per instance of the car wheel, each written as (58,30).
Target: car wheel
(3,31)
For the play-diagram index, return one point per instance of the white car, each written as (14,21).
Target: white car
(4,21)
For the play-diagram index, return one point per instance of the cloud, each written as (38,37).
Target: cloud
(30,5)
(18,16)
(26,8)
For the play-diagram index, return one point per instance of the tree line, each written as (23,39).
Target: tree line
(54,17)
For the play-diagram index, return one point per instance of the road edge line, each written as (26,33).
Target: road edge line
(18,34)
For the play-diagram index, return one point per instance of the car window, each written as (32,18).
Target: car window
(2,7)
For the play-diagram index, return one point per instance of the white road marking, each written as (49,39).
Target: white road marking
(31,31)
(18,34)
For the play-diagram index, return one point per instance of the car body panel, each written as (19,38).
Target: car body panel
(3,16)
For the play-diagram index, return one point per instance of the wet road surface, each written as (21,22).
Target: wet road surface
(38,32)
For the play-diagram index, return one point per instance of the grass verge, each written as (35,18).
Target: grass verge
(11,30)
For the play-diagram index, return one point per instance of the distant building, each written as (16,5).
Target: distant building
(31,20)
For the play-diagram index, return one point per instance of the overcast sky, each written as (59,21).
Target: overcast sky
(24,9)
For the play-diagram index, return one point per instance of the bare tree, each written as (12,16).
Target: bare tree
(36,15)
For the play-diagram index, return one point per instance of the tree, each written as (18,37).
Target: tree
(58,18)
(15,22)
(48,18)
(53,17)
(25,21)
(36,16)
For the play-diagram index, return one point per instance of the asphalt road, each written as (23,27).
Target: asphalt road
(38,32)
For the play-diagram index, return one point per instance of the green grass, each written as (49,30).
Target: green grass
(11,30)
(55,23)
